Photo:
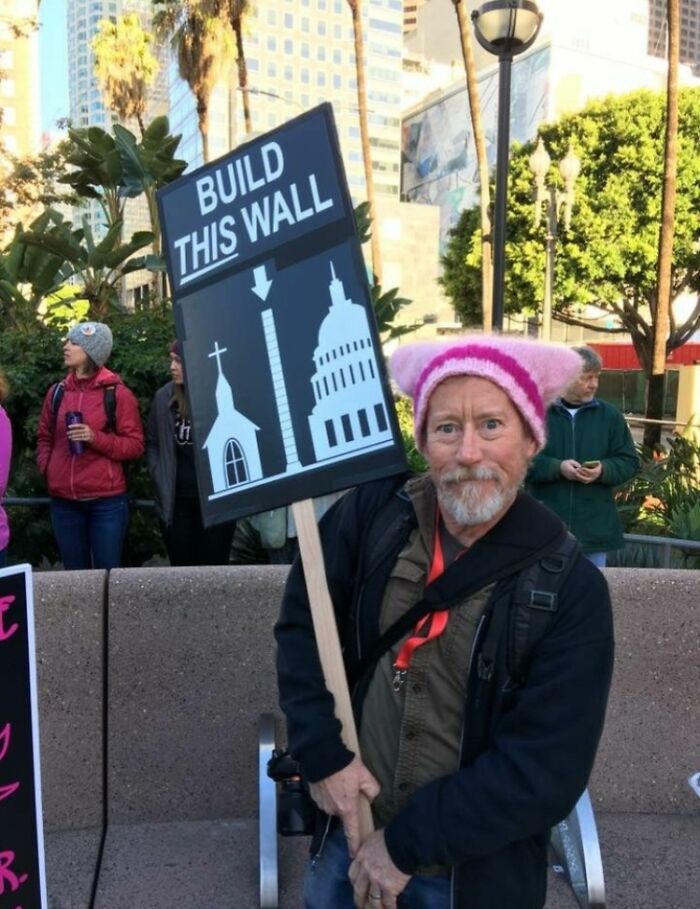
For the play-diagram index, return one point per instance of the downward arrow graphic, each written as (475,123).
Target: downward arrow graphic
(262,284)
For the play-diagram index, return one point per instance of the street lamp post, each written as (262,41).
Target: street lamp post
(504,28)
(556,201)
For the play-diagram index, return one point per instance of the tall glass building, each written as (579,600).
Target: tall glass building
(86,107)
(301,53)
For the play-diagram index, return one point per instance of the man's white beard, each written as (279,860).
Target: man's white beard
(461,495)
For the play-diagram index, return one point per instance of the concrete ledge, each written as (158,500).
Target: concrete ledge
(651,741)
(71,864)
(191,667)
(70,648)
(193,865)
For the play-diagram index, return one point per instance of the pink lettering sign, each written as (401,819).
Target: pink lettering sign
(5,603)
(5,739)
(7,791)
(7,875)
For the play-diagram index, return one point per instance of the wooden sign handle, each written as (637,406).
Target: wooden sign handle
(326,632)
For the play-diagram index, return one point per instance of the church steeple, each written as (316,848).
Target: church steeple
(224,393)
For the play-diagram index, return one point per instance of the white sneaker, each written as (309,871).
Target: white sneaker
(694,783)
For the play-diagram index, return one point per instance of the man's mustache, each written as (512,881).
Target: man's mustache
(465,474)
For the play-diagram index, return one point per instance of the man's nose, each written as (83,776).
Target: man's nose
(470,447)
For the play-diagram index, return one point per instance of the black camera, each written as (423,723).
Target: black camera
(295,810)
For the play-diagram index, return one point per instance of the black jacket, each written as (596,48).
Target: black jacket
(527,750)
(160,452)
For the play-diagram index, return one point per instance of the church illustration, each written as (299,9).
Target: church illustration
(232,443)
(349,414)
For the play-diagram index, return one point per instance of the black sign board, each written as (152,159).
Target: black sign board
(285,377)
(22,877)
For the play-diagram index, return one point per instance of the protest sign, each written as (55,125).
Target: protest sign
(285,377)
(22,876)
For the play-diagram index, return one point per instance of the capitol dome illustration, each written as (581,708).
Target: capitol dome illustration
(349,412)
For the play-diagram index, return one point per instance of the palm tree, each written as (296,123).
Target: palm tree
(465,35)
(237,12)
(356,12)
(125,66)
(661,315)
(202,37)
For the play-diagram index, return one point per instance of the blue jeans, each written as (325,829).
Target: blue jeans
(599,559)
(326,884)
(90,534)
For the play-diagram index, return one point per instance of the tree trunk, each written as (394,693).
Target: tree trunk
(232,89)
(203,120)
(356,10)
(480,145)
(660,318)
(237,26)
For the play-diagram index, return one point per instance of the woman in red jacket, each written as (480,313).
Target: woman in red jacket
(89,426)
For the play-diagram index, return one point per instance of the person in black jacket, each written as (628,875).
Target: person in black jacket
(170,453)
(467,765)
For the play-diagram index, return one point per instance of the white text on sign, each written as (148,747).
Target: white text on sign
(216,243)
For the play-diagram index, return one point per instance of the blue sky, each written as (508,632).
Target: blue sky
(53,51)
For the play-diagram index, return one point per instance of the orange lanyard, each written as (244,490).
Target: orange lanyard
(431,625)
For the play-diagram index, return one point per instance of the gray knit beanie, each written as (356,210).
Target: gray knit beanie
(95,338)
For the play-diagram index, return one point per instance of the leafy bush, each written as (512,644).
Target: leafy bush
(32,360)
(664,498)
(404,412)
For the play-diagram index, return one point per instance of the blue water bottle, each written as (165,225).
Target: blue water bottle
(72,417)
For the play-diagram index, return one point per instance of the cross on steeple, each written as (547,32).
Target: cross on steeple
(217,353)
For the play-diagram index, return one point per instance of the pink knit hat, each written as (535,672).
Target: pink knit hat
(532,373)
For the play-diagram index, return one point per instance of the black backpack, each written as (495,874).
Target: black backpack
(110,405)
(534,601)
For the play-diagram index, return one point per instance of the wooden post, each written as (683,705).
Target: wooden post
(326,632)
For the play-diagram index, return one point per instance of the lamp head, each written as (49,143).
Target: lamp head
(570,168)
(507,27)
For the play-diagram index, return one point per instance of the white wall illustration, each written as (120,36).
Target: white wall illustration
(232,443)
(349,413)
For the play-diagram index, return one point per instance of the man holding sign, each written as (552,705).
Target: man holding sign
(478,719)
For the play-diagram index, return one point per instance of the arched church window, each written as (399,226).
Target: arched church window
(235,464)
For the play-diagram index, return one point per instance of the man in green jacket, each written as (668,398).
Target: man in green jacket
(589,452)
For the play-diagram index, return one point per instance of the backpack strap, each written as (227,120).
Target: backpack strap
(57,390)
(536,600)
(110,405)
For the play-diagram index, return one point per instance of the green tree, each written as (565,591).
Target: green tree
(201,36)
(149,165)
(98,171)
(30,183)
(125,66)
(608,257)
(96,267)
(29,275)
(462,267)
